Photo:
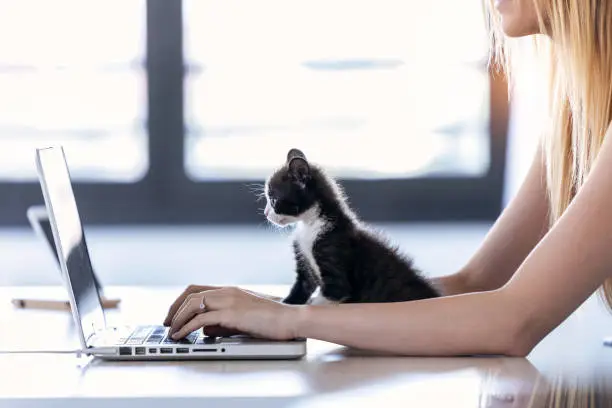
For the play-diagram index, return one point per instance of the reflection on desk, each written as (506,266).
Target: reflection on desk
(570,368)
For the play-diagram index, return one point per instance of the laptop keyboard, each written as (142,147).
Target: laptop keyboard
(156,335)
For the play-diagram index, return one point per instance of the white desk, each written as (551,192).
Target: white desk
(570,361)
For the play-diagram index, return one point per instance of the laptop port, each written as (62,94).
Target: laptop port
(152,351)
(182,350)
(125,351)
(140,351)
(204,350)
(165,350)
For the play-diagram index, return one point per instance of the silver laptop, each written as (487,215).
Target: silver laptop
(145,342)
(39,221)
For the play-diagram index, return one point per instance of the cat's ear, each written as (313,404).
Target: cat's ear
(298,167)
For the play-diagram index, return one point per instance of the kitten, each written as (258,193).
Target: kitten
(334,251)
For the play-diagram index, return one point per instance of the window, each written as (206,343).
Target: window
(66,78)
(371,89)
(171,114)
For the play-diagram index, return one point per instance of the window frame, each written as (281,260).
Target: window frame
(166,195)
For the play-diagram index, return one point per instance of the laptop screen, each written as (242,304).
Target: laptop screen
(45,228)
(70,239)
(39,220)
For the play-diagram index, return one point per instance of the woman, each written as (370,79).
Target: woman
(550,249)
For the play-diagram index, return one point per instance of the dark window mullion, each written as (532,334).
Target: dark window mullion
(165,103)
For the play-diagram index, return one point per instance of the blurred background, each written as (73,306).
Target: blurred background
(170,111)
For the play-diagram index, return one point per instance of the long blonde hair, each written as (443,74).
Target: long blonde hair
(577,43)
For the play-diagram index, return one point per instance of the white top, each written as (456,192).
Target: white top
(328,376)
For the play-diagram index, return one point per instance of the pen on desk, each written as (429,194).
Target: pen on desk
(41,304)
(57,304)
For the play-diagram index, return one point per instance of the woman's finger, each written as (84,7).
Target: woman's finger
(200,320)
(188,310)
(179,302)
(181,299)
(182,307)
(213,299)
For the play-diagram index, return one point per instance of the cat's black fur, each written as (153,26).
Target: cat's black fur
(355,264)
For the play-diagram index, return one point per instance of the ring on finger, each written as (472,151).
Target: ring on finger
(202,304)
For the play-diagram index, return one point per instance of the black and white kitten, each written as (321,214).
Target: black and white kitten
(334,251)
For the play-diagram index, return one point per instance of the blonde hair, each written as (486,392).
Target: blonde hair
(577,43)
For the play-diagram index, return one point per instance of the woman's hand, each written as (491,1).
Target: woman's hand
(233,310)
(197,289)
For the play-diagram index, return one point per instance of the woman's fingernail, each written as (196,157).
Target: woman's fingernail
(174,336)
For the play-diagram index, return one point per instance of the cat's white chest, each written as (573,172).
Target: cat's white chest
(306,234)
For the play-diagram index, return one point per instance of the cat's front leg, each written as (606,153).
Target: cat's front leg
(335,286)
(300,292)
(334,291)
(302,289)
(304,286)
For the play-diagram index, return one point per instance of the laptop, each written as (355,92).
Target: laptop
(39,221)
(145,342)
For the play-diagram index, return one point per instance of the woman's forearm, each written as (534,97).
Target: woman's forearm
(478,323)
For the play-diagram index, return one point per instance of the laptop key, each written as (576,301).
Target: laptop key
(157,335)
(159,331)
(154,339)
(139,335)
(189,339)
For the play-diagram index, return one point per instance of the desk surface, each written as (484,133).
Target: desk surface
(569,366)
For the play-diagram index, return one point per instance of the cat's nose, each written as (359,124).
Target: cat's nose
(267,211)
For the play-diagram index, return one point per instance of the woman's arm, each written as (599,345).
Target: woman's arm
(516,232)
(566,267)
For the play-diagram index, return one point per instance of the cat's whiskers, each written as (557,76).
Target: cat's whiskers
(261,210)
(258,189)
(255,186)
